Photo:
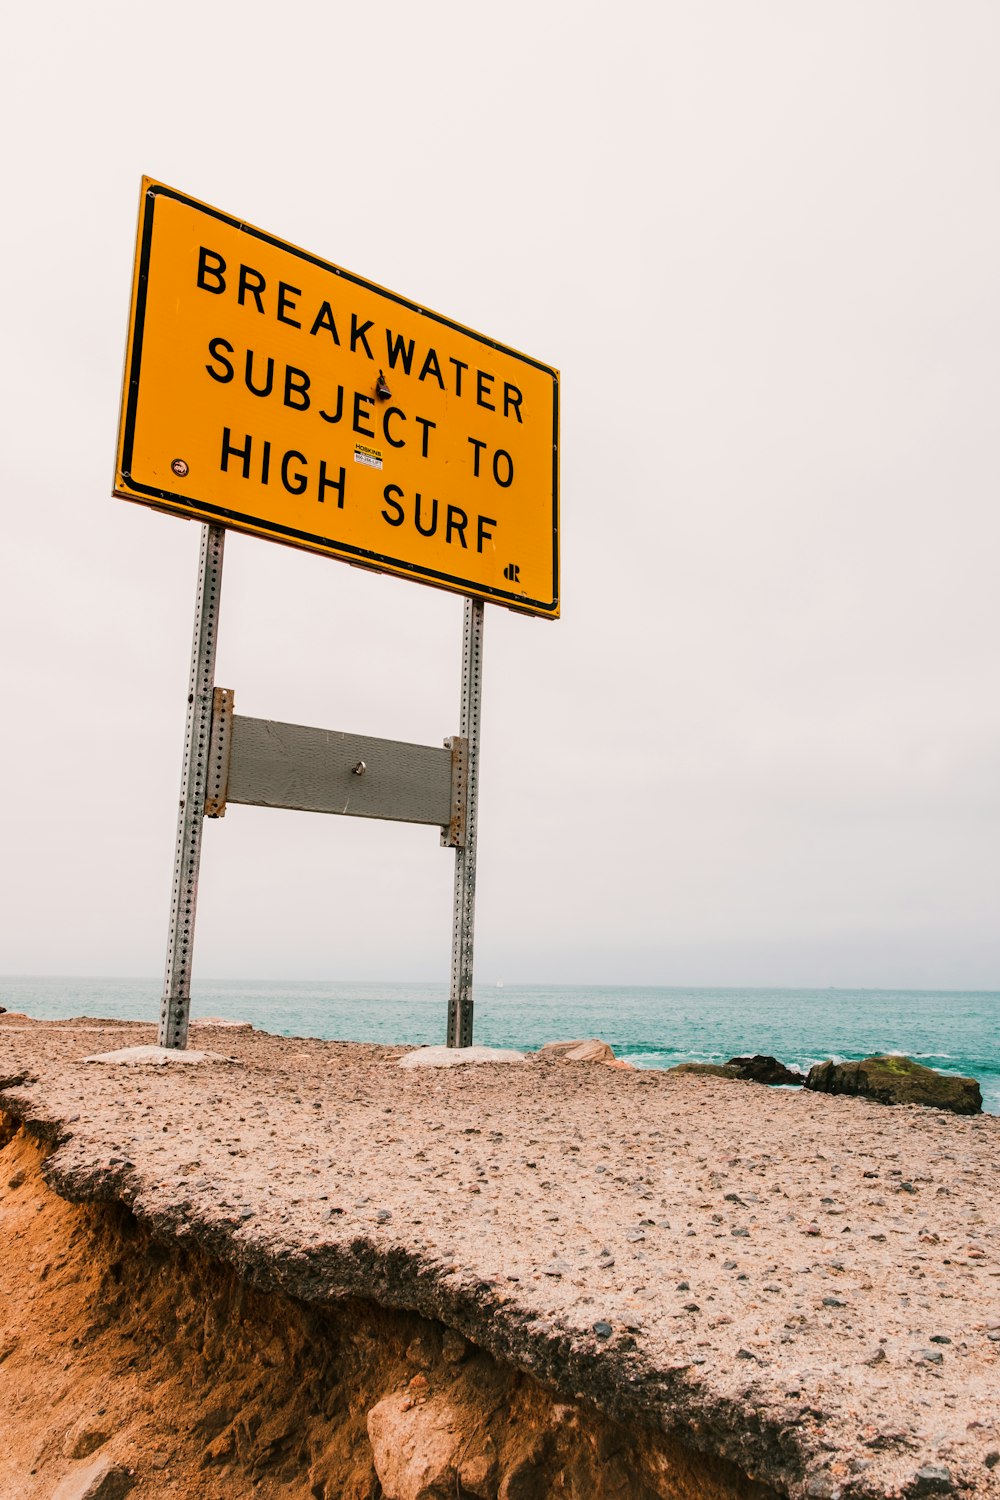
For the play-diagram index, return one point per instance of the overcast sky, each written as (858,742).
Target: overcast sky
(760,240)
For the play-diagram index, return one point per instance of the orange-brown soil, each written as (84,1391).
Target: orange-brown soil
(154,1366)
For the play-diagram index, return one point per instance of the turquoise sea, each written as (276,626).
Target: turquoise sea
(955,1031)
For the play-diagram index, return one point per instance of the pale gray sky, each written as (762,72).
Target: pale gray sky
(760,240)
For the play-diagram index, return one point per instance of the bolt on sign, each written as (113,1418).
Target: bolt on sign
(270,391)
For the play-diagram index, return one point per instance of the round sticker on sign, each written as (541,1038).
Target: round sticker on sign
(179,467)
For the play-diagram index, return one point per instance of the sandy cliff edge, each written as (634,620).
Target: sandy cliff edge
(802,1287)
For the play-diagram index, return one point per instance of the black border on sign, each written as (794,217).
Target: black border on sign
(360,557)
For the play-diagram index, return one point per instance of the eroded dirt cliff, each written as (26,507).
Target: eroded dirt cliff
(802,1286)
(135,1364)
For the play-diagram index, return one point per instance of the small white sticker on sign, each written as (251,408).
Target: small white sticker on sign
(370,456)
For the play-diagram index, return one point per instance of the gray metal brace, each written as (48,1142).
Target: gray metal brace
(261,763)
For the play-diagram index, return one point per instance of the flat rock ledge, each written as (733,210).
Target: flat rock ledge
(454,1057)
(153,1056)
(806,1286)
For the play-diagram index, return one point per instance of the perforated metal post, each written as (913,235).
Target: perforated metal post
(176,1003)
(460,1002)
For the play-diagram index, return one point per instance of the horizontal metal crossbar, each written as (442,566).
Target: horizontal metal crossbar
(261,763)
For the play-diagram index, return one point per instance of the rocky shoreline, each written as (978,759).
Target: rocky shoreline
(886,1078)
(802,1286)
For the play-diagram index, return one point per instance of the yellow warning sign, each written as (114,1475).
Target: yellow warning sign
(270,391)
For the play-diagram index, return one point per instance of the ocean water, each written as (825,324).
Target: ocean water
(956,1032)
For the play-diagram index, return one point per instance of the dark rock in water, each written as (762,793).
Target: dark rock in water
(763,1069)
(707,1070)
(758,1069)
(897,1080)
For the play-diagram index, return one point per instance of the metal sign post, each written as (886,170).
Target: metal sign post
(460,1001)
(176,1003)
(230,758)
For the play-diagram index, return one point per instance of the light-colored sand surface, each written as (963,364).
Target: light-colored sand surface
(809,1286)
